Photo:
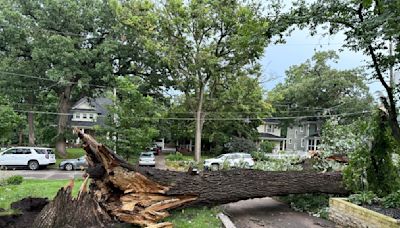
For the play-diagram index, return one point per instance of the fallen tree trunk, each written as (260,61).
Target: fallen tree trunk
(122,192)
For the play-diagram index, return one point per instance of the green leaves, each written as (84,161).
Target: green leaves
(9,120)
(314,87)
(132,121)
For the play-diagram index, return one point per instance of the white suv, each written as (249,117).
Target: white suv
(33,157)
(231,160)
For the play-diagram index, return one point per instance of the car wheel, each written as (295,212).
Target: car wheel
(68,167)
(33,165)
(214,167)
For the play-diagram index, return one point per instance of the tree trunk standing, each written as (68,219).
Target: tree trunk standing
(63,109)
(21,137)
(391,108)
(31,128)
(143,196)
(199,125)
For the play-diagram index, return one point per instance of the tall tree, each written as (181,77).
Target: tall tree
(315,88)
(68,45)
(370,27)
(202,44)
(130,125)
(9,120)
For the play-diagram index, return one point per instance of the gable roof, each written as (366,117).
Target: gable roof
(98,104)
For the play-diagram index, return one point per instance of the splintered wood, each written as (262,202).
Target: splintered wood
(140,200)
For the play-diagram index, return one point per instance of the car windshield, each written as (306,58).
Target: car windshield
(221,156)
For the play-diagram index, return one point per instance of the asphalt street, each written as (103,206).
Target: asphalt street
(50,174)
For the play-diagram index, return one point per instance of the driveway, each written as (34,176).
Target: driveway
(269,213)
(49,174)
(160,161)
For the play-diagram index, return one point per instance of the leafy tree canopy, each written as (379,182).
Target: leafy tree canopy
(131,124)
(370,27)
(315,88)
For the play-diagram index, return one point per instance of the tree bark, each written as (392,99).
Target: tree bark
(20,137)
(143,196)
(63,109)
(199,125)
(31,128)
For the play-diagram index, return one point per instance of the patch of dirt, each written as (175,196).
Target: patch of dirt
(391,212)
(26,211)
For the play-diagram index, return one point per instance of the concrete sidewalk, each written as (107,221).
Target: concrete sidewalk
(269,213)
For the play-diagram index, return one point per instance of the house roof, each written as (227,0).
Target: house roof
(99,104)
(271,120)
(271,136)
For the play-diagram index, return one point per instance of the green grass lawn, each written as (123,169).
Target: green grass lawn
(34,188)
(184,218)
(197,217)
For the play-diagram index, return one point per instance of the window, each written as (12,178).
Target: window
(317,144)
(270,128)
(40,151)
(290,141)
(302,142)
(91,116)
(12,151)
(22,151)
(301,128)
(311,144)
(295,134)
(77,115)
(84,116)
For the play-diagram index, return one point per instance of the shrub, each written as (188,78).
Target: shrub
(175,157)
(14,180)
(371,167)
(258,156)
(361,198)
(238,144)
(267,147)
(392,200)
(314,204)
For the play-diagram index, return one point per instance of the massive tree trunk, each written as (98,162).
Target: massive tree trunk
(120,192)
(63,109)
(31,128)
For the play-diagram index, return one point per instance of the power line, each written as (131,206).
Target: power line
(215,119)
(52,80)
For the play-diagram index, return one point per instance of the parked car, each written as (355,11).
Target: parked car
(32,157)
(72,164)
(155,148)
(231,160)
(147,159)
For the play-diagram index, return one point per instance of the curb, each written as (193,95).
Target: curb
(226,221)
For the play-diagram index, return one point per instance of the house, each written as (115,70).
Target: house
(89,112)
(304,136)
(271,131)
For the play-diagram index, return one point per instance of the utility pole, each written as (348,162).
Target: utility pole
(391,73)
(115,119)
